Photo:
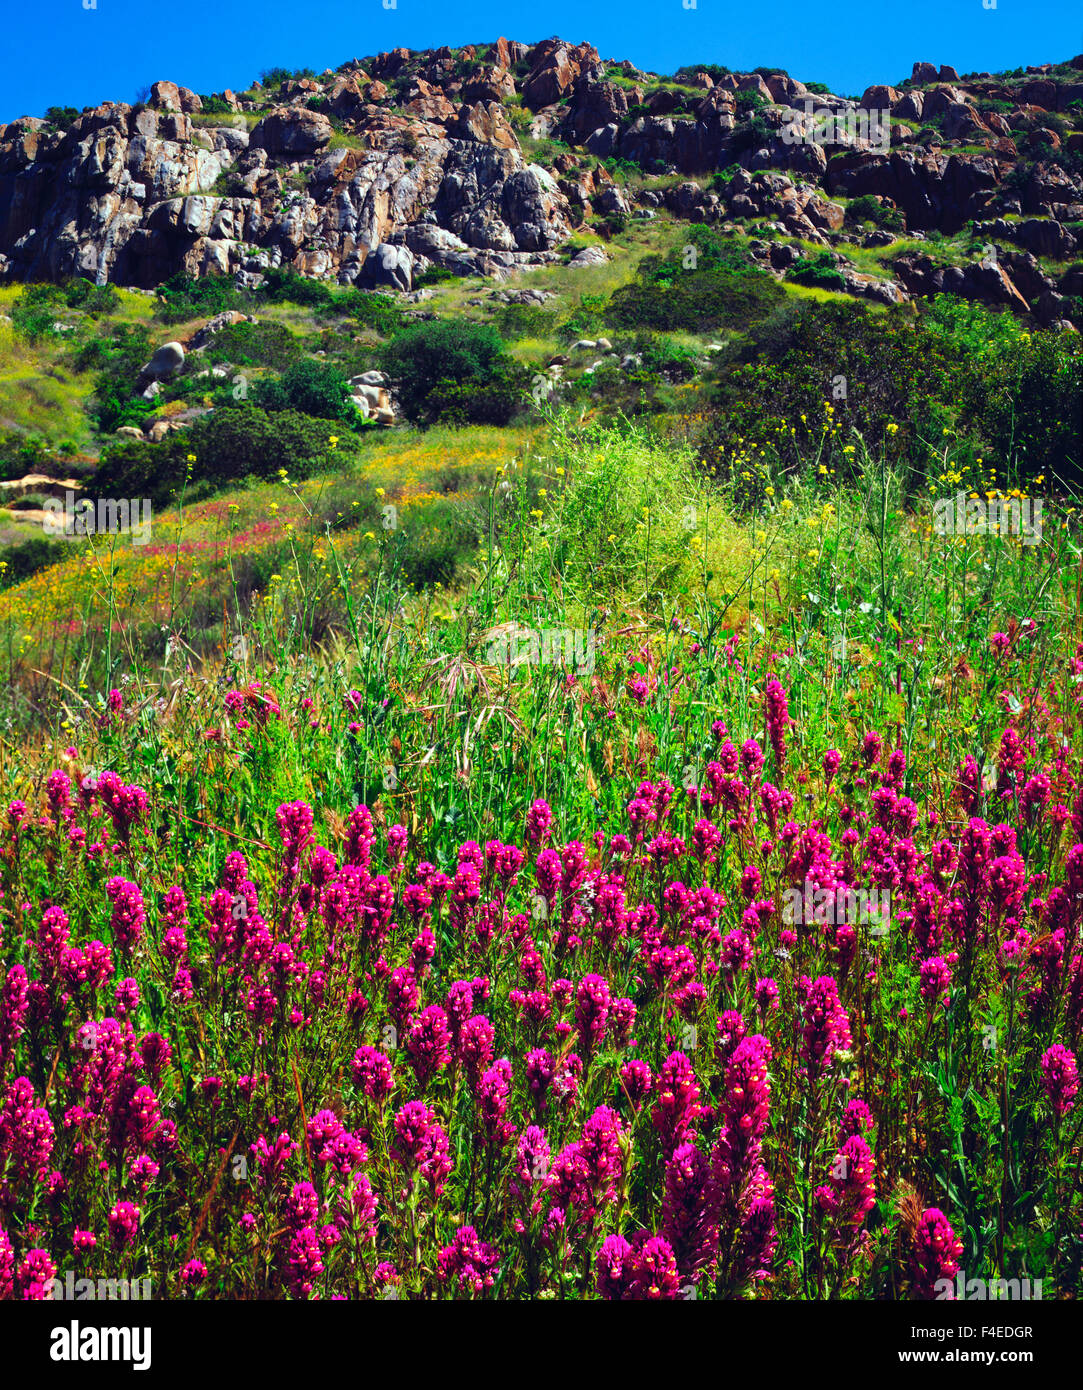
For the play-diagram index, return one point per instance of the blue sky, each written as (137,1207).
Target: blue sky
(60,53)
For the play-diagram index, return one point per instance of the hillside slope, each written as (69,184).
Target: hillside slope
(484,161)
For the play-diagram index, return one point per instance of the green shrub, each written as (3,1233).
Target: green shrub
(308,386)
(866,208)
(715,71)
(264,344)
(231,443)
(1002,389)
(215,106)
(119,359)
(281,283)
(96,300)
(274,77)
(587,321)
(185,297)
(493,401)
(547,152)
(752,133)
(371,310)
(20,454)
(451,361)
(60,117)
(435,275)
(29,557)
(819,270)
(751,101)
(515,321)
(621,169)
(665,357)
(722,178)
(713,286)
(34,312)
(1025,401)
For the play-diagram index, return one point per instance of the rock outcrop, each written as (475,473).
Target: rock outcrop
(373,173)
(135,195)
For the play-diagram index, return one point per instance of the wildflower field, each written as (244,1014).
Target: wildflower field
(507,936)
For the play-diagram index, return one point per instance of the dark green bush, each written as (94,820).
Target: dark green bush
(264,344)
(274,77)
(308,386)
(281,283)
(786,366)
(752,133)
(377,311)
(455,362)
(751,101)
(119,359)
(587,321)
(20,454)
(1025,399)
(721,179)
(515,321)
(959,366)
(435,275)
(232,442)
(215,105)
(664,357)
(621,169)
(96,300)
(491,402)
(715,71)
(186,297)
(712,286)
(34,312)
(60,117)
(866,208)
(547,152)
(29,557)
(819,270)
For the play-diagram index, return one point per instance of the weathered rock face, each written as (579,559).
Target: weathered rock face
(596,104)
(988,282)
(555,66)
(292,133)
(934,190)
(134,196)
(169,97)
(375,172)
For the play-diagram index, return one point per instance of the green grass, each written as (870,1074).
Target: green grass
(814,292)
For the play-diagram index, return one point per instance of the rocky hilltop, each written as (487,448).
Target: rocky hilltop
(485,159)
